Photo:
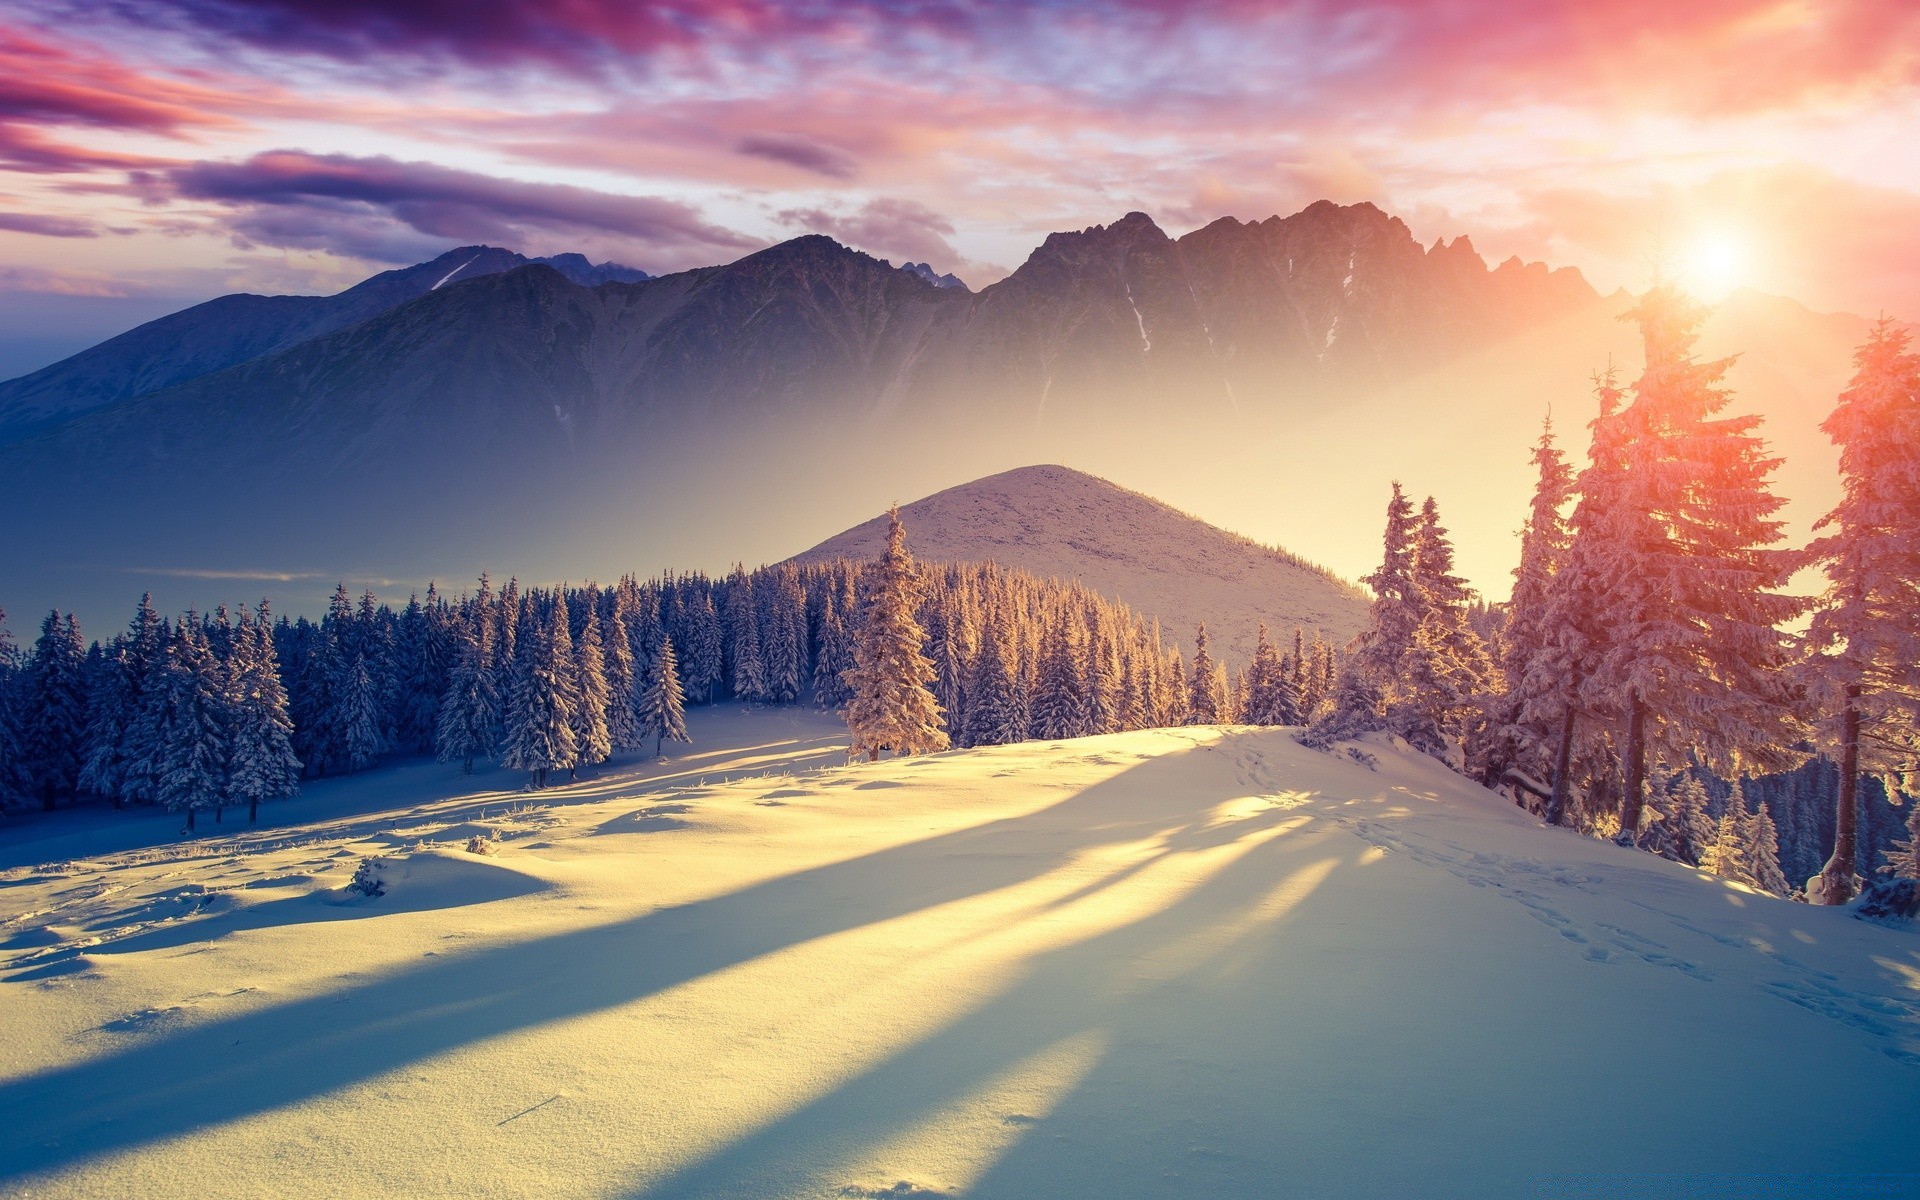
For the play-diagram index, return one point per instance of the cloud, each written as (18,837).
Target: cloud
(268,576)
(48,226)
(294,199)
(800,152)
(902,230)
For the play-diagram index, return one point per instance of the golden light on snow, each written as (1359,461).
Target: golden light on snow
(1717,262)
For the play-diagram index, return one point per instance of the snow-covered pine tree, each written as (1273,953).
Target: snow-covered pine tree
(1726,854)
(1444,668)
(1681,828)
(701,670)
(1523,719)
(468,726)
(539,717)
(623,683)
(190,754)
(1203,697)
(592,735)
(891,707)
(111,712)
(358,717)
(15,784)
(994,715)
(1763,853)
(1695,655)
(55,689)
(1058,708)
(1903,857)
(261,764)
(662,708)
(1864,637)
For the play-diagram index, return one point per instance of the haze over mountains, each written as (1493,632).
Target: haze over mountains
(561,420)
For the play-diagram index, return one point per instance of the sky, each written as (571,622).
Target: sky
(155,154)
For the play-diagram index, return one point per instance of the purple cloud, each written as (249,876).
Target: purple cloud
(290,198)
(47,225)
(800,152)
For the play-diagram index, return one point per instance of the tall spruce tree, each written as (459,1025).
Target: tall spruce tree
(539,718)
(468,725)
(188,743)
(55,686)
(891,707)
(662,711)
(261,764)
(592,736)
(1695,656)
(1864,638)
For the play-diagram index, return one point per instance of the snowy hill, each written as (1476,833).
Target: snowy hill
(1058,522)
(1177,963)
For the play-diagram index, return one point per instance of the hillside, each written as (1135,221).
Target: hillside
(1176,963)
(1055,521)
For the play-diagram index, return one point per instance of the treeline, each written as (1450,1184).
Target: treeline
(209,711)
(1646,681)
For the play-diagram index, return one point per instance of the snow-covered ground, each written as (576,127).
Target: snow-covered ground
(1190,962)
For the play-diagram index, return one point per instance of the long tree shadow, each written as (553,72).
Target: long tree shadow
(1112,986)
(232,1068)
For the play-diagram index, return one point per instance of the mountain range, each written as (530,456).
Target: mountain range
(559,419)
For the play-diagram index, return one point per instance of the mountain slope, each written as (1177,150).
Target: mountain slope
(1166,964)
(1054,521)
(232,329)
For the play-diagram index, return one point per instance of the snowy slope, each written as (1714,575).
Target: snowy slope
(1055,521)
(1178,963)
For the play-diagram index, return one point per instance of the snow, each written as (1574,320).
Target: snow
(444,279)
(1146,344)
(1189,962)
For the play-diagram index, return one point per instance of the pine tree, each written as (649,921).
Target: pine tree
(994,717)
(1694,655)
(891,708)
(261,762)
(359,717)
(15,784)
(1059,705)
(539,719)
(468,726)
(1444,668)
(1681,828)
(1763,853)
(1726,855)
(1903,856)
(662,709)
(189,750)
(592,736)
(1864,638)
(55,684)
(111,712)
(623,684)
(1203,696)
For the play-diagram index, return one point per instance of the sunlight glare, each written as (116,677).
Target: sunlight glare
(1715,265)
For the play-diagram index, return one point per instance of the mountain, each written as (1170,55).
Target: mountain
(926,272)
(1058,522)
(232,329)
(1277,374)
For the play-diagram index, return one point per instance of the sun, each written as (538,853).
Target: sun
(1716,263)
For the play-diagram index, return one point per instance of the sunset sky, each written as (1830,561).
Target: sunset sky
(160,153)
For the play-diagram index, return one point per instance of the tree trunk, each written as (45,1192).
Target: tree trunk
(253,811)
(1837,883)
(657,742)
(190,816)
(1562,768)
(219,814)
(1633,798)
